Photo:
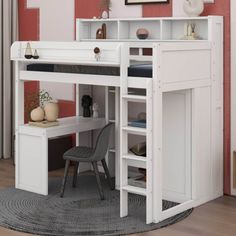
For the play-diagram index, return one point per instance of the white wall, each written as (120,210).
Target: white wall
(56,24)
(233,84)
(119,9)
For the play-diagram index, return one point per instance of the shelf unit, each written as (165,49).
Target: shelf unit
(164,28)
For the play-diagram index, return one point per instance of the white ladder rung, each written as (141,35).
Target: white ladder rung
(135,190)
(135,98)
(133,157)
(135,130)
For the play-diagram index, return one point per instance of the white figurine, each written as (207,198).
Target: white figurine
(193,8)
(95,110)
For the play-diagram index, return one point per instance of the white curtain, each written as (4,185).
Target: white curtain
(8,34)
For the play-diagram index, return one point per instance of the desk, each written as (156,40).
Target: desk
(32,148)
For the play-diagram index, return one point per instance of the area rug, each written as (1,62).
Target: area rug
(80,212)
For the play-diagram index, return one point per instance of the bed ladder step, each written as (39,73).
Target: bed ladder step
(135,98)
(135,130)
(133,157)
(135,190)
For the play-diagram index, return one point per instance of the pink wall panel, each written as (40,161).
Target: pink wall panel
(160,10)
(28,24)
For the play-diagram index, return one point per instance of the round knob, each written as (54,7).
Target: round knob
(97,50)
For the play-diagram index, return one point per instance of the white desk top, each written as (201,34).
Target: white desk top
(70,125)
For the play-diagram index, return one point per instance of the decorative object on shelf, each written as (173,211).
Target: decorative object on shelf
(37,114)
(97,53)
(95,110)
(130,2)
(193,8)
(138,123)
(28,51)
(51,111)
(102,32)
(105,7)
(139,149)
(142,33)
(190,32)
(105,15)
(87,102)
(36,55)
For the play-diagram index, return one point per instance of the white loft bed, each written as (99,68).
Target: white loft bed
(184,105)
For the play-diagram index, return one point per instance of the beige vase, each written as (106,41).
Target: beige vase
(37,114)
(51,111)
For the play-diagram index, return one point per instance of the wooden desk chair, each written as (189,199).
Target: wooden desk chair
(93,155)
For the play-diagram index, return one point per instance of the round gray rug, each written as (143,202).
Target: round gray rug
(80,212)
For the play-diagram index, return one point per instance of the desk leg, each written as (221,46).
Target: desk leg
(32,165)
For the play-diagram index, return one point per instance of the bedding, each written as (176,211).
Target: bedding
(144,70)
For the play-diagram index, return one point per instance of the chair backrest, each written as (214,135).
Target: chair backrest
(102,143)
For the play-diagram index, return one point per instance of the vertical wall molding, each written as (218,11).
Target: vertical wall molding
(233,97)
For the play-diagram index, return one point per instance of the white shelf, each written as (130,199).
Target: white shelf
(135,190)
(160,28)
(66,126)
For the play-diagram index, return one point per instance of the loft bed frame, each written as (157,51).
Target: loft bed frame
(192,69)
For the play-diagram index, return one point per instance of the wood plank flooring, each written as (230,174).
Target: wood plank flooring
(217,218)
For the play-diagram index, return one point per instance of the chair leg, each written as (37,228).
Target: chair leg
(76,167)
(95,167)
(65,178)
(104,164)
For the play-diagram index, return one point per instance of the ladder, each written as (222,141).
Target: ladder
(127,159)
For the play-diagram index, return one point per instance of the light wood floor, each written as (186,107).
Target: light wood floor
(217,218)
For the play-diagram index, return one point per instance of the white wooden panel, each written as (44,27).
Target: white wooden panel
(202,167)
(32,170)
(73,51)
(177,146)
(186,65)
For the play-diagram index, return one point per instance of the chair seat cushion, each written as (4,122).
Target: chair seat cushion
(81,154)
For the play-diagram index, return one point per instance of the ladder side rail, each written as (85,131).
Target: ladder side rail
(157,134)
(123,135)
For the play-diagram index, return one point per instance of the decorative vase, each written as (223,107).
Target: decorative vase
(51,111)
(105,15)
(28,51)
(37,114)
(193,8)
(36,55)
(142,33)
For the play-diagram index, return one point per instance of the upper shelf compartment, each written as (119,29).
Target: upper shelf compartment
(164,28)
(179,29)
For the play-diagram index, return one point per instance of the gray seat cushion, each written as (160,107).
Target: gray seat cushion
(82,154)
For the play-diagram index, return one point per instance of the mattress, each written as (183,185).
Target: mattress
(144,70)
